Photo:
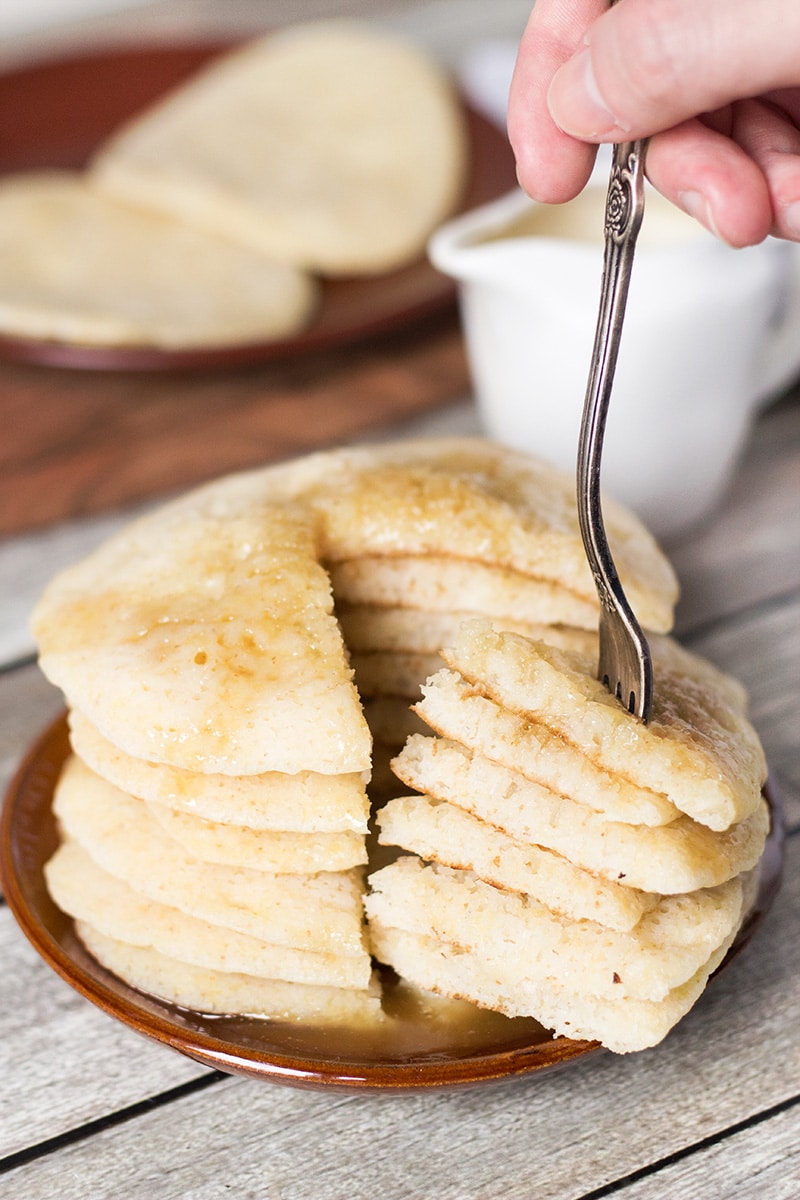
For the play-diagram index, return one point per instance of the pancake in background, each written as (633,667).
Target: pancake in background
(303,803)
(329,145)
(83,268)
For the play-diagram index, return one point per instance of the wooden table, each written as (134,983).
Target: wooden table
(90,1109)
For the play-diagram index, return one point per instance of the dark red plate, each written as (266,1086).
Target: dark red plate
(412,1057)
(54,114)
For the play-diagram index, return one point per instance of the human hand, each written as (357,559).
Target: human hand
(714,84)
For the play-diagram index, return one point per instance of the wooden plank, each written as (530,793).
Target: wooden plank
(762,1161)
(92,442)
(555,1137)
(63,1062)
(762,649)
(28,702)
(749,550)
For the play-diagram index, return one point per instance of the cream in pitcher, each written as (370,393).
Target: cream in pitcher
(710,334)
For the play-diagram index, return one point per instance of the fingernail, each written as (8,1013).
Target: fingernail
(575,102)
(696,205)
(791,219)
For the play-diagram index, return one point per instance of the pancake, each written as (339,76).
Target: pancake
(84,268)
(305,802)
(477,502)
(328,145)
(444,833)
(698,748)
(457,710)
(261,849)
(227,992)
(368,628)
(438,582)
(202,636)
(621,1025)
(514,814)
(321,912)
(87,893)
(527,941)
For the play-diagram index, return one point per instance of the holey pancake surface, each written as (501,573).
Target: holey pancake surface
(203,637)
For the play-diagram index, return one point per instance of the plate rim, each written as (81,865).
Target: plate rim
(149,1016)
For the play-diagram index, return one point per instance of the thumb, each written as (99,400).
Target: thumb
(644,67)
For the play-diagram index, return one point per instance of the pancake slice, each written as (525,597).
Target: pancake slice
(305,802)
(677,857)
(368,628)
(87,893)
(261,850)
(698,749)
(228,992)
(621,1025)
(321,912)
(202,636)
(526,941)
(439,583)
(444,833)
(459,711)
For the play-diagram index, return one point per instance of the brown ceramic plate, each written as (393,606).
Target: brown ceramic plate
(414,1056)
(55,114)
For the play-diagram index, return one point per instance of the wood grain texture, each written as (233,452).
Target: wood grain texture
(79,443)
(557,1137)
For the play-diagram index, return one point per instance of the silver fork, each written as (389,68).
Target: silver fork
(625,666)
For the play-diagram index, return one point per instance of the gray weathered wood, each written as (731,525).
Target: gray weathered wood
(63,1062)
(95,1110)
(556,1137)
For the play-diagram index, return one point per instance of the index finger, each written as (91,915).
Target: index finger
(552,166)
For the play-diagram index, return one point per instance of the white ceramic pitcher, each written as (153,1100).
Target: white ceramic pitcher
(710,334)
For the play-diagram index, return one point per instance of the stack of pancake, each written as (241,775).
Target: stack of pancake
(214,812)
(568,862)
(429,534)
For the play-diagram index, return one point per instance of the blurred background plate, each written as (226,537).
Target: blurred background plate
(55,113)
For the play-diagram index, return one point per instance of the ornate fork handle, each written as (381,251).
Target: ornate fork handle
(624,210)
